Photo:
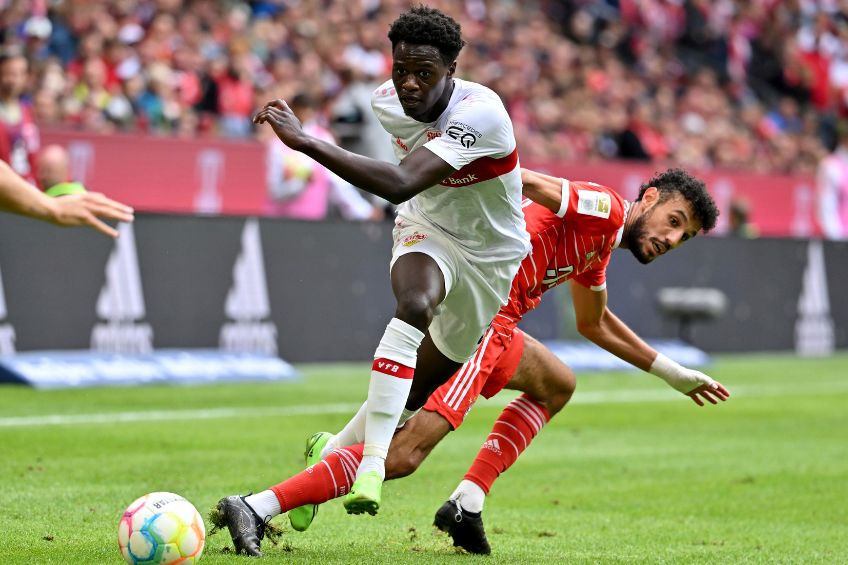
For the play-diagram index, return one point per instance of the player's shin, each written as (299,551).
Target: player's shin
(513,431)
(391,381)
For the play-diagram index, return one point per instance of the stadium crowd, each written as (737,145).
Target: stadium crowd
(726,83)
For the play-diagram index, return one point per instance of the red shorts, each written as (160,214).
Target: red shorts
(487,373)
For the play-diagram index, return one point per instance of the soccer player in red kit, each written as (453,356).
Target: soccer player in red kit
(574,227)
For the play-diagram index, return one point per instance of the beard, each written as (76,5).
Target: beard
(635,237)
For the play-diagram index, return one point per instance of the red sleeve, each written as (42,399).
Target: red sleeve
(593,209)
(597,212)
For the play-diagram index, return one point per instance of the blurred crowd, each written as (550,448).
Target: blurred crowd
(755,84)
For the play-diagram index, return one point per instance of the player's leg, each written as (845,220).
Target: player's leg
(547,384)
(414,441)
(246,517)
(419,287)
(445,410)
(410,446)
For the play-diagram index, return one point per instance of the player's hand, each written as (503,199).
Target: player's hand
(86,210)
(282,120)
(712,392)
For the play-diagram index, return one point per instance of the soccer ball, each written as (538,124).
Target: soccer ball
(161,528)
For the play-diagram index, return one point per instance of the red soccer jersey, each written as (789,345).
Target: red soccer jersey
(20,143)
(573,244)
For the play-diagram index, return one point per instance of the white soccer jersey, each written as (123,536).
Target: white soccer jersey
(479,206)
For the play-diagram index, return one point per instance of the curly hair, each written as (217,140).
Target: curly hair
(690,188)
(423,25)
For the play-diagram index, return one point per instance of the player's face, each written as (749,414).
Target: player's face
(422,80)
(662,227)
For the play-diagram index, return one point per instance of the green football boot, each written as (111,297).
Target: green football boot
(364,495)
(301,517)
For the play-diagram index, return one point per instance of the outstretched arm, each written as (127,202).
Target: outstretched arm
(542,189)
(20,197)
(597,323)
(420,170)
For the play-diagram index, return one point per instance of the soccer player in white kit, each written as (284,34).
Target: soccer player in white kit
(458,241)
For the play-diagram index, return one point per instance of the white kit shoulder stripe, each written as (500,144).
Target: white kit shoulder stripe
(563,205)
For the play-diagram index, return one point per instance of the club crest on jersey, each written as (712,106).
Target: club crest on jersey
(591,203)
(413,239)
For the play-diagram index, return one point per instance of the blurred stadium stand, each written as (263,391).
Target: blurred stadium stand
(153,101)
(753,84)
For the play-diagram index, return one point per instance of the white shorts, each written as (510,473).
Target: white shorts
(474,292)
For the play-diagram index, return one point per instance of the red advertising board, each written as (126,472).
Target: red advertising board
(161,174)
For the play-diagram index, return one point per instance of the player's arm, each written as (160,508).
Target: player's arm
(596,322)
(420,170)
(543,189)
(20,197)
(827,201)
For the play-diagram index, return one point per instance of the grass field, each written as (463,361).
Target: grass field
(629,473)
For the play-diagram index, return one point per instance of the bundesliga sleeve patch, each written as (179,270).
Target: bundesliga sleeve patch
(593,203)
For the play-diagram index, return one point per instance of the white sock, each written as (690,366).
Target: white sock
(372,463)
(264,503)
(351,434)
(470,496)
(391,381)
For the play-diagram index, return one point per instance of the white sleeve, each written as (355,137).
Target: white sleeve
(474,129)
(827,201)
(348,200)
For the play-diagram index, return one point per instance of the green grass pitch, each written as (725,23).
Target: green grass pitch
(629,473)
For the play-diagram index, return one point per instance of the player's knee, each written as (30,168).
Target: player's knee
(403,464)
(559,386)
(416,309)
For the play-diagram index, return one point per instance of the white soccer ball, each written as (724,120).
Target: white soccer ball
(161,528)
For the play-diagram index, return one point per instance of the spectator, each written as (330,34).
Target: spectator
(298,187)
(54,175)
(740,224)
(722,83)
(832,188)
(19,138)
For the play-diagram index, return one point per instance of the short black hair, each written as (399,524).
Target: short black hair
(690,188)
(423,25)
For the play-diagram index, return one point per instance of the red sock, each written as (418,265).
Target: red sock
(321,482)
(515,428)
